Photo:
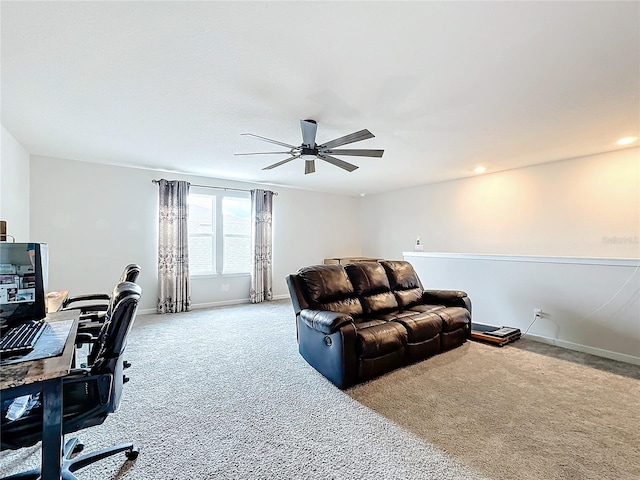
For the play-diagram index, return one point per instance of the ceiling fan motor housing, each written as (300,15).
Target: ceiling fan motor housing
(313,151)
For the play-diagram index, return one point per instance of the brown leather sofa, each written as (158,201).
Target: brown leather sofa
(357,321)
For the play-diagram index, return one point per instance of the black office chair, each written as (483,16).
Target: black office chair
(89,395)
(99,301)
(92,315)
(95,333)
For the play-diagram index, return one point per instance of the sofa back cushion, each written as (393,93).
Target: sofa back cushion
(404,281)
(328,287)
(371,285)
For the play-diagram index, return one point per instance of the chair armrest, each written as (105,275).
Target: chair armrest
(448,298)
(89,310)
(86,317)
(89,328)
(85,338)
(324,321)
(85,298)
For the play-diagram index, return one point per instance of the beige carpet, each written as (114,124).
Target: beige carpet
(524,411)
(224,394)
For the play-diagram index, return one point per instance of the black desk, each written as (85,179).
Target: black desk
(45,375)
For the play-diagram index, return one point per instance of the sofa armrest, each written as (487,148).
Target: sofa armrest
(324,321)
(448,298)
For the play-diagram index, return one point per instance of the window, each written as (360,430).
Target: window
(236,233)
(219,233)
(202,237)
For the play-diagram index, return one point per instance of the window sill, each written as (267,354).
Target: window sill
(219,275)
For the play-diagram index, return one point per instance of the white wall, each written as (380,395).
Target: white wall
(14,187)
(583,207)
(98,218)
(591,305)
(587,207)
(314,226)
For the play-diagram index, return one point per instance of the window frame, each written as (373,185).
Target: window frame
(218,232)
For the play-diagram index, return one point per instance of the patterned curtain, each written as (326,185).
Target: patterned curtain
(261,275)
(173,248)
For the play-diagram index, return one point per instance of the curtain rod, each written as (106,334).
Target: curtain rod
(217,188)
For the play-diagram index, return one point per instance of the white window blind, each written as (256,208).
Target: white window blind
(219,233)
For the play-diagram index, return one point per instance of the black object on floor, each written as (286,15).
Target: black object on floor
(494,334)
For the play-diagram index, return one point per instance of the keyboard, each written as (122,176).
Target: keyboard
(21,339)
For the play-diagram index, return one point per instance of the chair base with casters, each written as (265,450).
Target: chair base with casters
(72,463)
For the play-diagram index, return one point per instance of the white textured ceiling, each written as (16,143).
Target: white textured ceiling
(444,86)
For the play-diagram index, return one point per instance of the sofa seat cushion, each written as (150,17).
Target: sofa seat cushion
(421,326)
(367,322)
(454,318)
(426,308)
(390,316)
(424,331)
(456,323)
(378,340)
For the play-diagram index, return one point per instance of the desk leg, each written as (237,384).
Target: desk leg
(51,429)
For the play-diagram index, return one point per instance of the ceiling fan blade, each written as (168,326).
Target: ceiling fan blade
(281,163)
(264,153)
(309,166)
(349,167)
(354,152)
(269,140)
(351,138)
(309,129)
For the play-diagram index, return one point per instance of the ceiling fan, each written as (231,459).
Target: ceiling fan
(309,151)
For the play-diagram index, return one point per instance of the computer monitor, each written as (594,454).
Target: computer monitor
(24,272)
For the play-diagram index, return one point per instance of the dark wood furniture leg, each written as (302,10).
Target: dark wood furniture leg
(52,429)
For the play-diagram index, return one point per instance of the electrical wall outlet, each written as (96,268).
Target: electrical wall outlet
(537,312)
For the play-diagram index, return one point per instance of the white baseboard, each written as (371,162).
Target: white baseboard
(200,306)
(599,352)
